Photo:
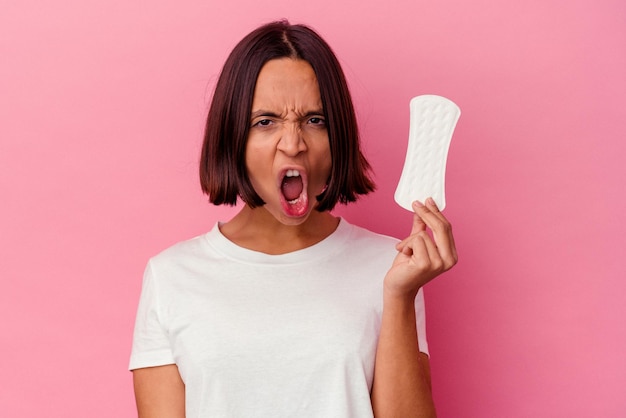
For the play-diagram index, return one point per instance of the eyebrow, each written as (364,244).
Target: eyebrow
(261,112)
(258,113)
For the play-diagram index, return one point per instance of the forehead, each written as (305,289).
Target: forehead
(286,82)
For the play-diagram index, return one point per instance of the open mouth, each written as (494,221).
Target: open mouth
(292,186)
(293,190)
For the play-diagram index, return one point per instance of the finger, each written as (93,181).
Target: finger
(428,216)
(442,232)
(436,261)
(431,205)
(418,226)
(415,248)
(418,223)
(423,256)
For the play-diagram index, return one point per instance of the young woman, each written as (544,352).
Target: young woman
(287,310)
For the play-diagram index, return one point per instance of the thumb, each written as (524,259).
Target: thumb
(418,223)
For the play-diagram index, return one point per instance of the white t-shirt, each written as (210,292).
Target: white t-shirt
(257,335)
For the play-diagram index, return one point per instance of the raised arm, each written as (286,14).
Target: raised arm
(401,385)
(159,392)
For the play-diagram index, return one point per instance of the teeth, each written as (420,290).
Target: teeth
(292,173)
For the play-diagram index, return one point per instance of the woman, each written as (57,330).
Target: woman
(286,310)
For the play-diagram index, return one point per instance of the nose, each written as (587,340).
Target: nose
(292,141)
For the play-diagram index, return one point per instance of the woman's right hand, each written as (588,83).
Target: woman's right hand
(422,258)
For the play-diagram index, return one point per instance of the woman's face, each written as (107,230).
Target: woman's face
(288,155)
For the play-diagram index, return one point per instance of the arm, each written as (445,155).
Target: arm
(159,392)
(401,386)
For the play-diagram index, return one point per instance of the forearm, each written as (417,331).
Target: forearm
(159,392)
(401,386)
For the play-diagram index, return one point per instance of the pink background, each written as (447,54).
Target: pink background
(102,107)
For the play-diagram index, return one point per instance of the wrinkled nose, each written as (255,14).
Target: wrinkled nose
(291,140)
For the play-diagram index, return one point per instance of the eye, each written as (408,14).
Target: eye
(317,121)
(263,122)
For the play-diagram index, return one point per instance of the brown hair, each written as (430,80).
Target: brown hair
(223,174)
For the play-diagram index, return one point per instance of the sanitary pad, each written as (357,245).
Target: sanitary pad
(432,123)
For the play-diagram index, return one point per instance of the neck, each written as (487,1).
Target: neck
(256,229)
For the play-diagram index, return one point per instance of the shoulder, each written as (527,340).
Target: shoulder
(179,265)
(183,252)
(184,248)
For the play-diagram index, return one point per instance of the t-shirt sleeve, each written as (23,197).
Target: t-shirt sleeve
(420,317)
(151,343)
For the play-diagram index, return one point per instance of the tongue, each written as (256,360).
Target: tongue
(292,187)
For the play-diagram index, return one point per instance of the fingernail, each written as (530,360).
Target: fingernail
(418,204)
(431,201)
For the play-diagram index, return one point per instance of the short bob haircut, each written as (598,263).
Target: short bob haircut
(223,174)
